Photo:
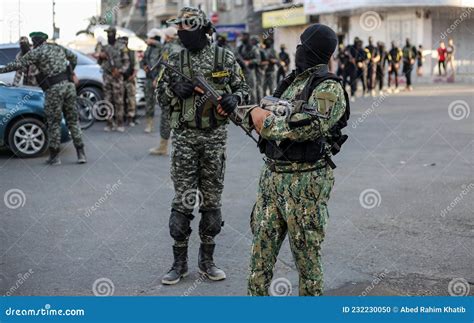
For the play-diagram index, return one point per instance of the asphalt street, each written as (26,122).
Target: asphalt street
(401,212)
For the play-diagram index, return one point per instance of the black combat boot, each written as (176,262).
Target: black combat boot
(81,155)
(53,159)
(206,263)
(180,266)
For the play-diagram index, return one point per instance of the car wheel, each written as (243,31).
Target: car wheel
(27,138)
(92,93)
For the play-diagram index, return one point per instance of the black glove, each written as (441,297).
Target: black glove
(182,89)
(229,102)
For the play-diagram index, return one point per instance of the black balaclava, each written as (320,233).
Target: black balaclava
(221,41)
(245,39)
(394,45)
(24,47)
(37,41)
(318,43)
(194,40)
(370,41)
(408,42)
(268,43)
(111,38)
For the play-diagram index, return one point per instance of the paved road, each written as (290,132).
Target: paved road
(405,153)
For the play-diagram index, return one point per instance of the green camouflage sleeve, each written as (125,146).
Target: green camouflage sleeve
(29,58)
(327,99)
(257,58)
(71,57)
(163,92)
(237,84)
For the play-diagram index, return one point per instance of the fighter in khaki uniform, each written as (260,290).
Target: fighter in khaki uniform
(172,45)
(115,62)
(130,83)
(297,177)
(55,65)
(199,138)
(150,57)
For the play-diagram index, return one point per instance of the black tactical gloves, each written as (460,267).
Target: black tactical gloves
(183,90)
(229,102)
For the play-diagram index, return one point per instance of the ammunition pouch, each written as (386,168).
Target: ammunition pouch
(45,82)
(292,151)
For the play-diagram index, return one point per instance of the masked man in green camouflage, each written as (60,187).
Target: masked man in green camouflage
(199,137)
(114,61)
(297,177)
(55,65)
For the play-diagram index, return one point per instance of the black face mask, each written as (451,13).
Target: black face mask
(37,41)
(24,47)
(318,43)
(193,39)
(111,39)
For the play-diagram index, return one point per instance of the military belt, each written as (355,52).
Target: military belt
(277,166)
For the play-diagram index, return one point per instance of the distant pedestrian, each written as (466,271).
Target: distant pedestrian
(419,60)
(284,64)
(394,57)
(442,58)
(409,56)
(450,55)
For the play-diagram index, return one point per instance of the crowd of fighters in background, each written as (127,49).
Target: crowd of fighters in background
(370,65)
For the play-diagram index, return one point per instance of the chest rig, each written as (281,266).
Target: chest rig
(198,111)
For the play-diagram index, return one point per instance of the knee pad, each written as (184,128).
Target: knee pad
(211,223)
(180,225)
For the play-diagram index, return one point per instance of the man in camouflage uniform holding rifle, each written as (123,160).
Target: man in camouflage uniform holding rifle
(297,177)
(199,137)
(55,76)
(115,62)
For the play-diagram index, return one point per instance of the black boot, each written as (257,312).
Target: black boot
(180,266)
(206,263)
(81,155)
(53,159)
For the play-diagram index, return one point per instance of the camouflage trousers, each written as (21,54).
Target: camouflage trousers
(130,97)
(259,78)
(61,99)
(150,99)
(197,168)
(293,203)
(114,93)
(269,83)
(165,129)
(250,79)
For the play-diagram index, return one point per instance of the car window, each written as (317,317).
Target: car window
(8,55)
(83,59)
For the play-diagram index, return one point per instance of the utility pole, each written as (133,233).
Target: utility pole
(54,23)
(19,20)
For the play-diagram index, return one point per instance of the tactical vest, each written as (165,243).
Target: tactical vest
(309,151)
(197,111)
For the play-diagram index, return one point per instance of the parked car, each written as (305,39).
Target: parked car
(87,71)
(23,121)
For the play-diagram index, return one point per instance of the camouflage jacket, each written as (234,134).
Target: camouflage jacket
(28,74)
(150,57)
(117,57)
(171,47)
(202,62)
(50,59)
(327,99)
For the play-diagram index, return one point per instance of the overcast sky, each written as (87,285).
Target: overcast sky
(34,15)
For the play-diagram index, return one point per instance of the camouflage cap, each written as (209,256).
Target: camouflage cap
(38,34)
(190,16)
